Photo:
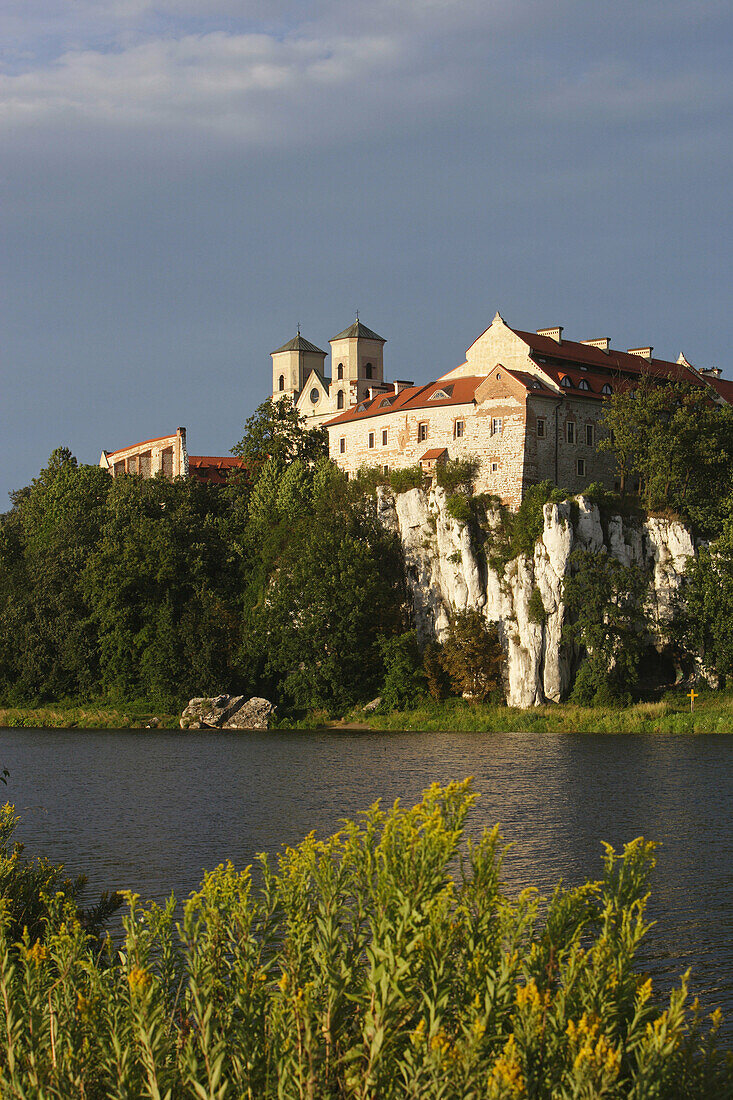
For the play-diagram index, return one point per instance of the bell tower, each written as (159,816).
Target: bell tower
(291,365)
(357,361)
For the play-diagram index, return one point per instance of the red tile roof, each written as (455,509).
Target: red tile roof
(134,446)
(435,453)
(213,468)
(459,391)
(610,362)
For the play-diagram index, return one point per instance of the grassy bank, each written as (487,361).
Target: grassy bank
(713,714)
(90,717)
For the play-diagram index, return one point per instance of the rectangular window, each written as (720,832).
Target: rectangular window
(590,434)
(581,467)
(371,439)
(570,432)
(494,467)
(540,429)
(384,437)
(385,471)
(342,445)
(496,425)
(422,432)
(458,429)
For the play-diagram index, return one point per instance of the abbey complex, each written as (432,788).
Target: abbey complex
(526,405)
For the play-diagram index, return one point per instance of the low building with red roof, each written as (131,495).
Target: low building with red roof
(167,455)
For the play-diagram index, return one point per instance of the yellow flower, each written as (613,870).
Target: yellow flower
(644,991)
(418,1033)
(506,1074)
(283,983)
(139,980)
(37,954)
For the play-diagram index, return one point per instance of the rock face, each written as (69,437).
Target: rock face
(444,571)
(229,712)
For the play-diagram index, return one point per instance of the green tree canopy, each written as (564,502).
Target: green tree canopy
(677,442)
(276,430)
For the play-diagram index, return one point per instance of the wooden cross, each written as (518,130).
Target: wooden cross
(692,696)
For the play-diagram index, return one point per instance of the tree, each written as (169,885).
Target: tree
(604,600)
(48,643)
(677,442)
(707,616)
(472,655)
(276,430)
(404,678)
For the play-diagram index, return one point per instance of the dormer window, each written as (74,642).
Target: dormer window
(606,389)
(442,394)
(340,372)
(565,382)
(281,382)
(583,385)
(385,401)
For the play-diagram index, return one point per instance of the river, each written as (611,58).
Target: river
(150,810)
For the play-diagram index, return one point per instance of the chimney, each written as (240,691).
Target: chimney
(400,385)
(554,333)
(643,353)
(603,344)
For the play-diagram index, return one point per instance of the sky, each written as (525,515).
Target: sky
(183,183)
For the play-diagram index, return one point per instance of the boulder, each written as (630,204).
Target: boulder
(255,714)
(369,708)
(229,712)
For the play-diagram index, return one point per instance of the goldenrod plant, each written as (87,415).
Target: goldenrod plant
(384,962)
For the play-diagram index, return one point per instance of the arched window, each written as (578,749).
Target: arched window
(281,382)
(583,385)
(340,399)
(368,370)
(566,382)
(340,371)
(606,389)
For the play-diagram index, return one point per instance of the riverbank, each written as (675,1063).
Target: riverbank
(90,717)
(713,714)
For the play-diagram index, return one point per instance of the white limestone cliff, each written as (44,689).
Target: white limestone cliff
(444,572)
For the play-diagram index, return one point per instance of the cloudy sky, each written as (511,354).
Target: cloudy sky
(182,182)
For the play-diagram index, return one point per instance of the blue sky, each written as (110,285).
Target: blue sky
(182,183)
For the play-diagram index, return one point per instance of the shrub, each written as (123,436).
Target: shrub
(459,507)
(457,473)
(375,963)
(472,655)
(435,675)
(410,477)
(536,612)
(404,679)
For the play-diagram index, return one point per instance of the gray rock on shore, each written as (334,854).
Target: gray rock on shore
(227,712)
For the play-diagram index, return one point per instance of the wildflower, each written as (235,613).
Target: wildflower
(528,996)
(506,1074)
(283,983)
(37,954)
(644,991)
(139,979)
(418,1033)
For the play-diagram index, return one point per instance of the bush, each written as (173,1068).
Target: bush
(536,612)
(435,675)
(459,507)
(410,477)
(472,656)
(457,473)
(375,963)
(404,679)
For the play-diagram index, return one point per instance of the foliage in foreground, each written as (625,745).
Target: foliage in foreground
(373,964)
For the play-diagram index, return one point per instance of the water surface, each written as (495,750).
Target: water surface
(150,810)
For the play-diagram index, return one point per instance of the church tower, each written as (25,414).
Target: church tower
(291,366)
(357,362)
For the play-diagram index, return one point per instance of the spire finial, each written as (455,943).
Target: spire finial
(357,316)
(298,328)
